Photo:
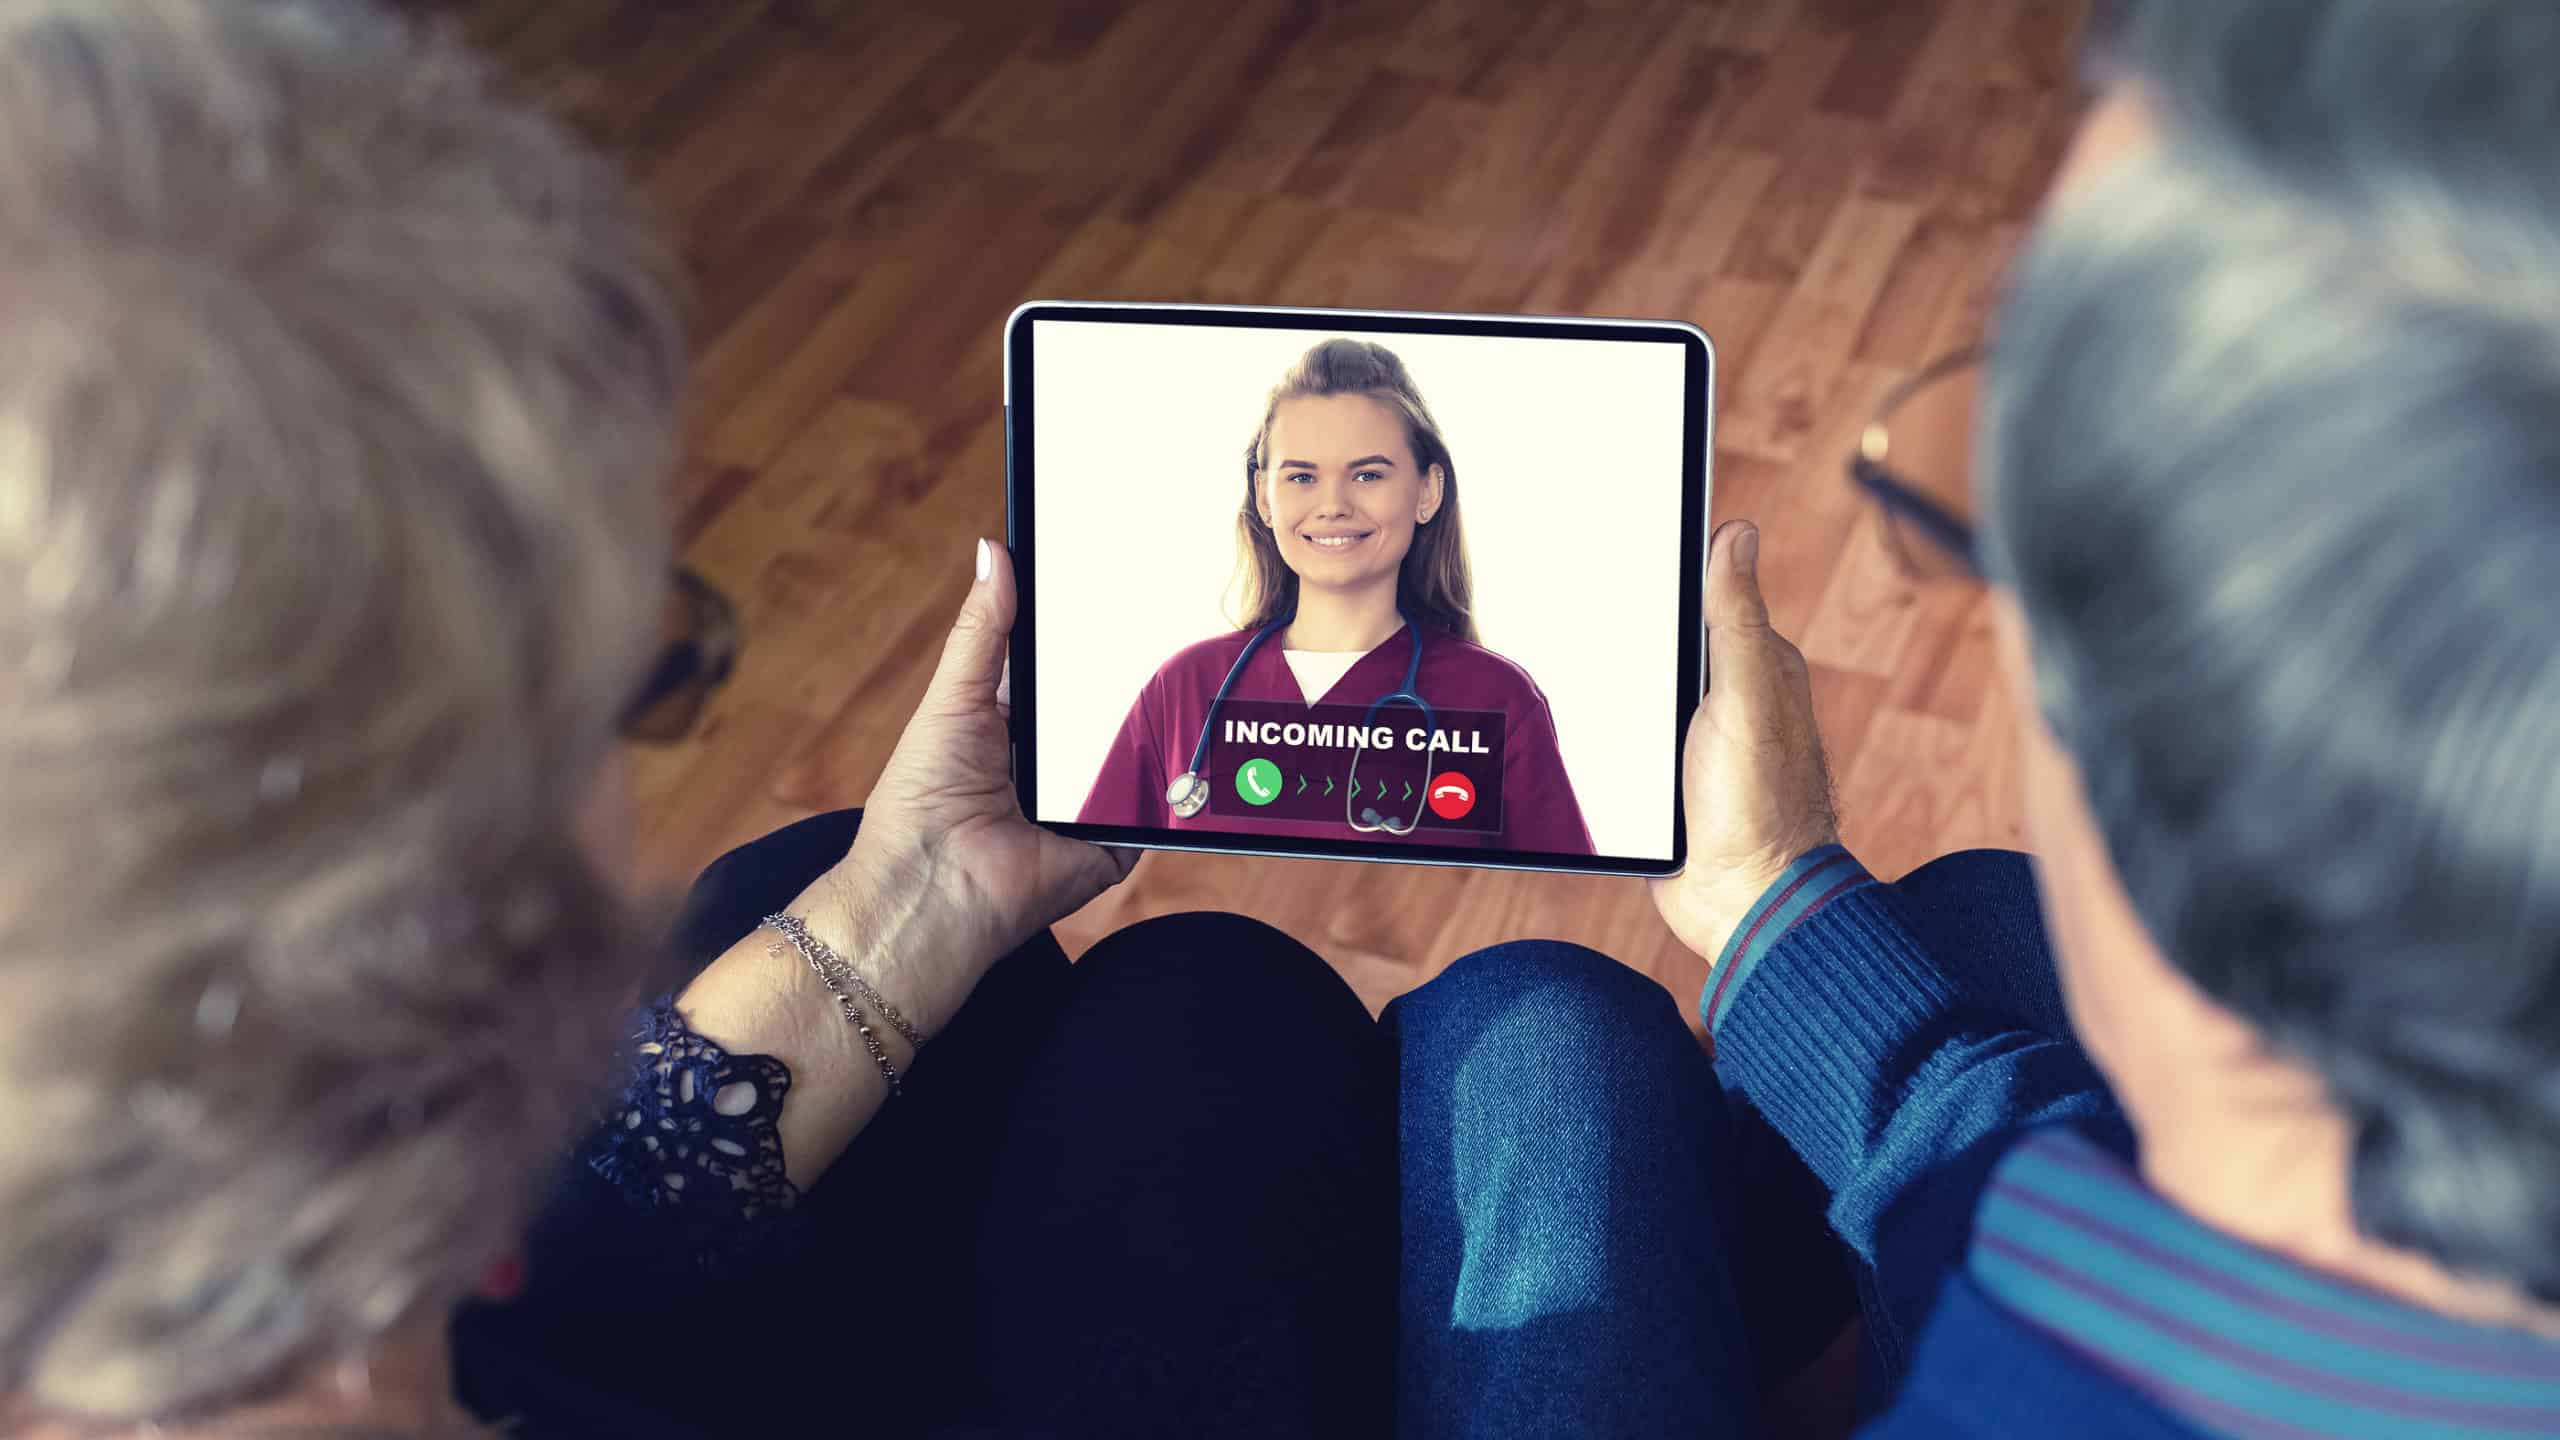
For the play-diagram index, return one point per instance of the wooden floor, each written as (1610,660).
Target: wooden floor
(1828,187)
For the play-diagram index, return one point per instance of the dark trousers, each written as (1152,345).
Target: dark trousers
(1147,1194)
(1186,1187)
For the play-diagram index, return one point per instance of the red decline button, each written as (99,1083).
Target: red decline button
(1452,795)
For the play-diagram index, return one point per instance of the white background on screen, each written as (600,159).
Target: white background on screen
(1568,461)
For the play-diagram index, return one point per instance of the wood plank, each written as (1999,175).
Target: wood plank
(1676,101)
(1709,203)
(1819,164)
(1759,26)
(1937,257)
(1868,618)
(1794,374)
(1217,93)
(1868,80)
(762,415)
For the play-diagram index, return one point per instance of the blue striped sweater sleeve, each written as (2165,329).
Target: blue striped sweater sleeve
(1897,1087)
(1821,876)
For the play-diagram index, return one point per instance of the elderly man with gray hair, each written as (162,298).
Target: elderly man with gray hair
(2268,498)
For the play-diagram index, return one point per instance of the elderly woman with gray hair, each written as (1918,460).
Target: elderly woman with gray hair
(336,404)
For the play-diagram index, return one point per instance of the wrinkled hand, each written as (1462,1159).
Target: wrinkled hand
(1757,792)
(946,875)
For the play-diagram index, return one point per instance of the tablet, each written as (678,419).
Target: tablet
(1357,584)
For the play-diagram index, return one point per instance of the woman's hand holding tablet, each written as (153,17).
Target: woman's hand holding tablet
(946,876)
(1386,673)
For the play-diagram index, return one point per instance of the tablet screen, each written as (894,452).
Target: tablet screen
(1388,586)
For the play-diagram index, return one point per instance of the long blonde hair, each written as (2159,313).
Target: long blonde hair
(1434,586)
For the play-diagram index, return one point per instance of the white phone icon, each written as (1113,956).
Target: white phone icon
(1458,790)
(1253,781)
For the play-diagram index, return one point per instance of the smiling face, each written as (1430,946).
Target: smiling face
(1340,490)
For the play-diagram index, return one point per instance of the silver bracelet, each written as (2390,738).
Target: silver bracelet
(832,971)
(852,1014)
(809,944)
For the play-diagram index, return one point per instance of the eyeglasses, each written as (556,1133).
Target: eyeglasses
(700,649)
(1914,459)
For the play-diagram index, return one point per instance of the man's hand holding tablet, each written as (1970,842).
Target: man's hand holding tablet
(1758,792)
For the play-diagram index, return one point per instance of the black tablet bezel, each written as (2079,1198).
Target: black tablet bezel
(1697,450)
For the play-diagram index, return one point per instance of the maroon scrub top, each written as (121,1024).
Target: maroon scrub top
(1155,743)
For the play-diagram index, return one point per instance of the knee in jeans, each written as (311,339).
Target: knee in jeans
(1570,980)
(1546,1025)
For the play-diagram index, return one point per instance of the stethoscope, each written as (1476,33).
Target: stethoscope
(1189,794)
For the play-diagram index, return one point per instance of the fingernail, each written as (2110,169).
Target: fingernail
(1004,685)
(986,561)
(1746,550)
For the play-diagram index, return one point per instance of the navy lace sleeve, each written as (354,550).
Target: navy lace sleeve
(692,1143)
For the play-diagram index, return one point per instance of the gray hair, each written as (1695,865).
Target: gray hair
(335,408)
(2272,462)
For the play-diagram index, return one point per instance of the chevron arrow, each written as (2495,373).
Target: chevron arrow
(1408,789)
(1302,785)
(1355,789)
(1328,784)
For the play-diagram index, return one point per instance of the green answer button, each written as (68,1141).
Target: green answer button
(1258,782)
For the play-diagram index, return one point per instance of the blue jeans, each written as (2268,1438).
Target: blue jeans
(1587,1247)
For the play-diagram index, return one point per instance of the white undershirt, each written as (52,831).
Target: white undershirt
(1319,670)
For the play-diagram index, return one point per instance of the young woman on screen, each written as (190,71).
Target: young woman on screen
(1352,557)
